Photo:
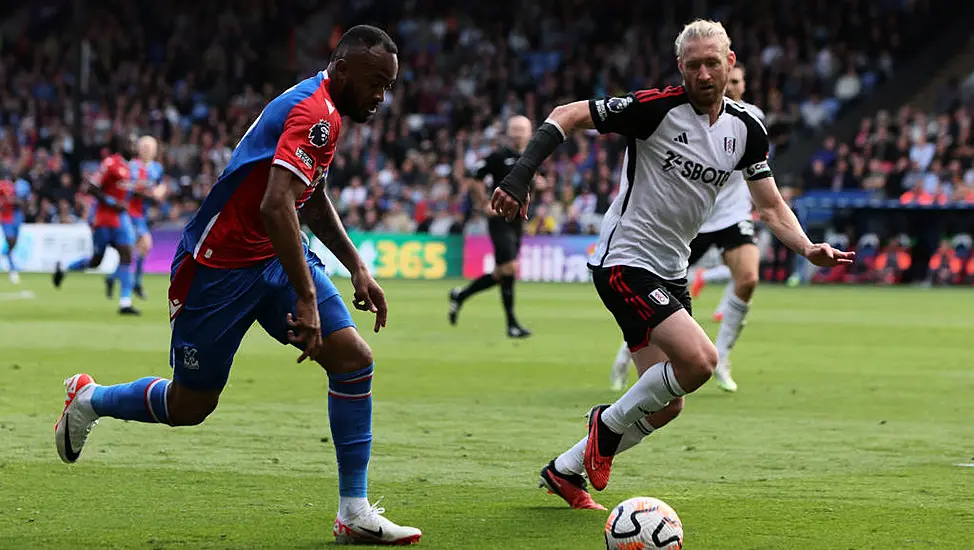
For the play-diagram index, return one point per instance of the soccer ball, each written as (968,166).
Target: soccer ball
(643,523)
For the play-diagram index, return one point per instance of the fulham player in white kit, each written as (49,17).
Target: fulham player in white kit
(684,143)
(731,230)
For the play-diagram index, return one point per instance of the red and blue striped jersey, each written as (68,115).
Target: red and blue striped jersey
(297,131)
(113,179)
(145,176)
(8,202)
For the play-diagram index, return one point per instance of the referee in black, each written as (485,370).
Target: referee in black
(504,235)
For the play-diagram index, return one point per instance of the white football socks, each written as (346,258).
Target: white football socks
(716,274)
(622,359)
(352,507)
(572,461)
(730,328)
(653,391)
(634,435)
(728,292)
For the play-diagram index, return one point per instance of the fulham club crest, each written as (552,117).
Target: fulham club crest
(659,297)
(730,145)
(318,135)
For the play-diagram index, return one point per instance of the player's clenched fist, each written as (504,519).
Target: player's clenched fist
(506,205)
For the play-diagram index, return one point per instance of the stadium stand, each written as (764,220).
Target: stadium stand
(196,74)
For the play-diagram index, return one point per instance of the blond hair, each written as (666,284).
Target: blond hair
(150,143)
(700,29)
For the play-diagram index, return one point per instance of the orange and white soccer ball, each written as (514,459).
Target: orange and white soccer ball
(643,523)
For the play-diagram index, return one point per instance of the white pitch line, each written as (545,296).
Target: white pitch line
(22,295)
(965,465)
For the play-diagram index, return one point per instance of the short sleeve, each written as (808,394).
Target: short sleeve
(636,114)
(104,171)
(307,144)
(754,161)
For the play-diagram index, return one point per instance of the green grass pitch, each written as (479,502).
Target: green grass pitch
(856,407)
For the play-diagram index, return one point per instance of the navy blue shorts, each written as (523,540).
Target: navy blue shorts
(211,309)
(123,235)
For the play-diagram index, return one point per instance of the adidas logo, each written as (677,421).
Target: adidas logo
(682,138)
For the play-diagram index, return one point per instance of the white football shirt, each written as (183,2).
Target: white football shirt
(734,200)
(676,162)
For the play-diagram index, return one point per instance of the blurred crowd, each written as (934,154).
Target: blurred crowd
(913,156)
(196,74)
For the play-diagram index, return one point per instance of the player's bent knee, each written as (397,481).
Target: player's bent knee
(706,358)
(190,407)
(746,283)
(344,351)
(666,415)
(189,416)
(674,408)
(695,366)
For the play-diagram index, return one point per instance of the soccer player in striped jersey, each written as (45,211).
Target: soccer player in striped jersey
(147,188)
(242,260)
(730,229)
(111,224)
(684,143)
(12,197)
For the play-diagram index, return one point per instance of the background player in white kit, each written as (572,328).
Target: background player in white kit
(684,143)
(730,229)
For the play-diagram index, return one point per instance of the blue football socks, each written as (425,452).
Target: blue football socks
(143,400)
(79,265)
(350,416)
(139,262)
(124,275)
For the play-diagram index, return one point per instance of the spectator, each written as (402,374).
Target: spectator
(353,196)
(827,154)
(816,176)
(919,195)
(922,151)
(190,74)
(848,86)
(843,178)
(815,113)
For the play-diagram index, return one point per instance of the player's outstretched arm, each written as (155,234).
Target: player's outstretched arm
(96,191)
(153,193)
(513,194)
(777,215)
(320,216)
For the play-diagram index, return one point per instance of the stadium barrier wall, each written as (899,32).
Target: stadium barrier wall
(41,246)
(544,258)
(399,256)
(561,259)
